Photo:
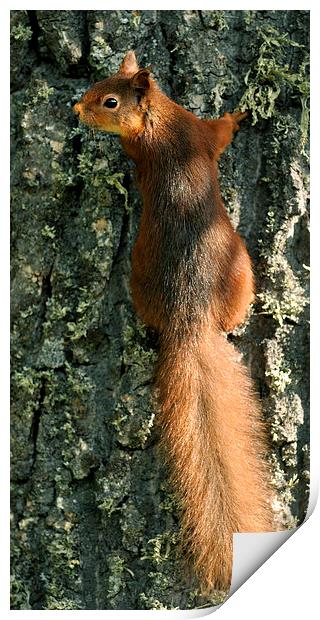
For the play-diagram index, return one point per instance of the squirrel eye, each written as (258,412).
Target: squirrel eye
(111,102)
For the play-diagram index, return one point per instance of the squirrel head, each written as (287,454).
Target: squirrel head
(119,103)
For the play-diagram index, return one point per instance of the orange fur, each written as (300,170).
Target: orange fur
(214,442)
(192,280)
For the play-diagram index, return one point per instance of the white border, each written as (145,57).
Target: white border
(287,584)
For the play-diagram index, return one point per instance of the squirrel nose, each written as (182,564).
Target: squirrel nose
(77,109)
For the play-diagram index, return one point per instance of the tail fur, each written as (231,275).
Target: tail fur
(214,440)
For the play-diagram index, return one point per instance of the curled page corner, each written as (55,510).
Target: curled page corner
(251,550)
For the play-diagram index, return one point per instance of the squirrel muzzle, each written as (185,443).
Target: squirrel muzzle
(77,109)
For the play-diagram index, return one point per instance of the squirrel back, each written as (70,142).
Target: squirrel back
(192,280)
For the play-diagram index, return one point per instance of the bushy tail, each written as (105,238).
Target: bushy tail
(214,441)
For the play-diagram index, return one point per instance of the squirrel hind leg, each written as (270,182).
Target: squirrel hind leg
(230,320)
(238,290)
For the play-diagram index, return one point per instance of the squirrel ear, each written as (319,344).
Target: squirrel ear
(141,80)
(129,64)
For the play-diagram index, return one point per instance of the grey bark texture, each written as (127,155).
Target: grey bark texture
(95,524)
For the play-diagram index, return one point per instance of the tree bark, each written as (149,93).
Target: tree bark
(95,523)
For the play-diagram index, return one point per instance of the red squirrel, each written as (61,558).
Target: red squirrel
(191,281)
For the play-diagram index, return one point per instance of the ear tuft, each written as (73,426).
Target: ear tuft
(129,64)
(141,79)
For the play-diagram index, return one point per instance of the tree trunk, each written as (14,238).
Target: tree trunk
(95,523)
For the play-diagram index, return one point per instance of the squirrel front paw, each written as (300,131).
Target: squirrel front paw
(237,117)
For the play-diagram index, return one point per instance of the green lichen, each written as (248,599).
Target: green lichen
(85,165)
(136,351)
(270,74)
(65,396)
(279,375)
(26,380)
(132,527)
(289,457)
(160,548)
(58,541)
(61,604)
(133,429)
(41,92)
(71,394)
(87,313)
(116,180)
(100,51)
(97,174)
(114,484)
(285,290)
(21,32)
(136,19)
(48,232)
(169,503)
(117,571)
(287,416)
(63,547)
(150,602)
(55,312)
(52,353)
(285,301)
(135,408)
(249,17)
(20,594)
(214,19)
